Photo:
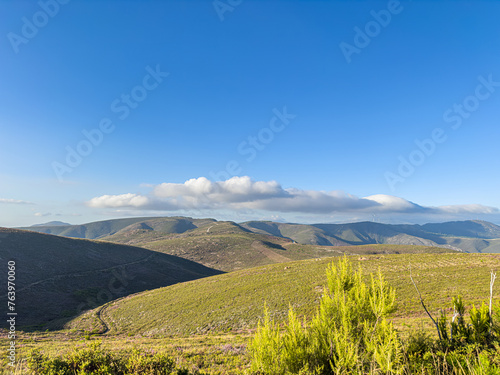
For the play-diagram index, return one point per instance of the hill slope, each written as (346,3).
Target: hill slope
(227,246)
(221,245)
(470,228)
(62,276)
(235,301)
(469,236)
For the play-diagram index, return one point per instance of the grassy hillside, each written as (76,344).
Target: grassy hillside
(475,245)
(227,246)
(470,228)
(303,234)
(235,301)
(222,245)
(469,236)
(346,234)
(62,276)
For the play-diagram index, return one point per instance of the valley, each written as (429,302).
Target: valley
(202,285)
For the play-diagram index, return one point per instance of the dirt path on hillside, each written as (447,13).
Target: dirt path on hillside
(278,258)
(208,230)
(99,316)
(100,313)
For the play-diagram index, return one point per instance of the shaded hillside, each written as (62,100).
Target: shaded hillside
(235,301)
(59,277)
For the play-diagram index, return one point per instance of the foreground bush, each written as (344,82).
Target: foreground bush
(350,334)
(93,360)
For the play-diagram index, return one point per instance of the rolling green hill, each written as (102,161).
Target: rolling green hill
(470,228)
(349,234)
(469,236)
(58,277)
(235,301)
(221,245)
(227,246)
(303,234)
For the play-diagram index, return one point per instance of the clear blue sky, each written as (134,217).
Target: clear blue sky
(351,107)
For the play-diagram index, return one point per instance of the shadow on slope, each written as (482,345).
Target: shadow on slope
(58,278)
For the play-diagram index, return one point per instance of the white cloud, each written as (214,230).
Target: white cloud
(392,203)
(116,201)
(244,194)
(468,209)
(40,214)
(13,201)
(236,189)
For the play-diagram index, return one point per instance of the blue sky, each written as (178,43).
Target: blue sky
(305,111)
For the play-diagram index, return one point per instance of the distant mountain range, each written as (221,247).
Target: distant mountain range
(52,224)
(111,259)
(63,276)
(468,236)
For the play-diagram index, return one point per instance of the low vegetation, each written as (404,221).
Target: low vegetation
(94,360)
(469,236)
(233,301)
(352,328)
(205,325)
(197,354)
(350,334)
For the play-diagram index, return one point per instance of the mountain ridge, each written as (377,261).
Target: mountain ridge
(468,236)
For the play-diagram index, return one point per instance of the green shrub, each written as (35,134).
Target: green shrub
(40,363)
(418,343)
(93,360)
(348,334)
(149,363)
(481,330)
(265,346)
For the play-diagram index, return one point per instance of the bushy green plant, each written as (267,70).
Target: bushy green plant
(266,346)
(94,360)
(481,330)
(149,363)
(495,326)
(39,363)
(348,334)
